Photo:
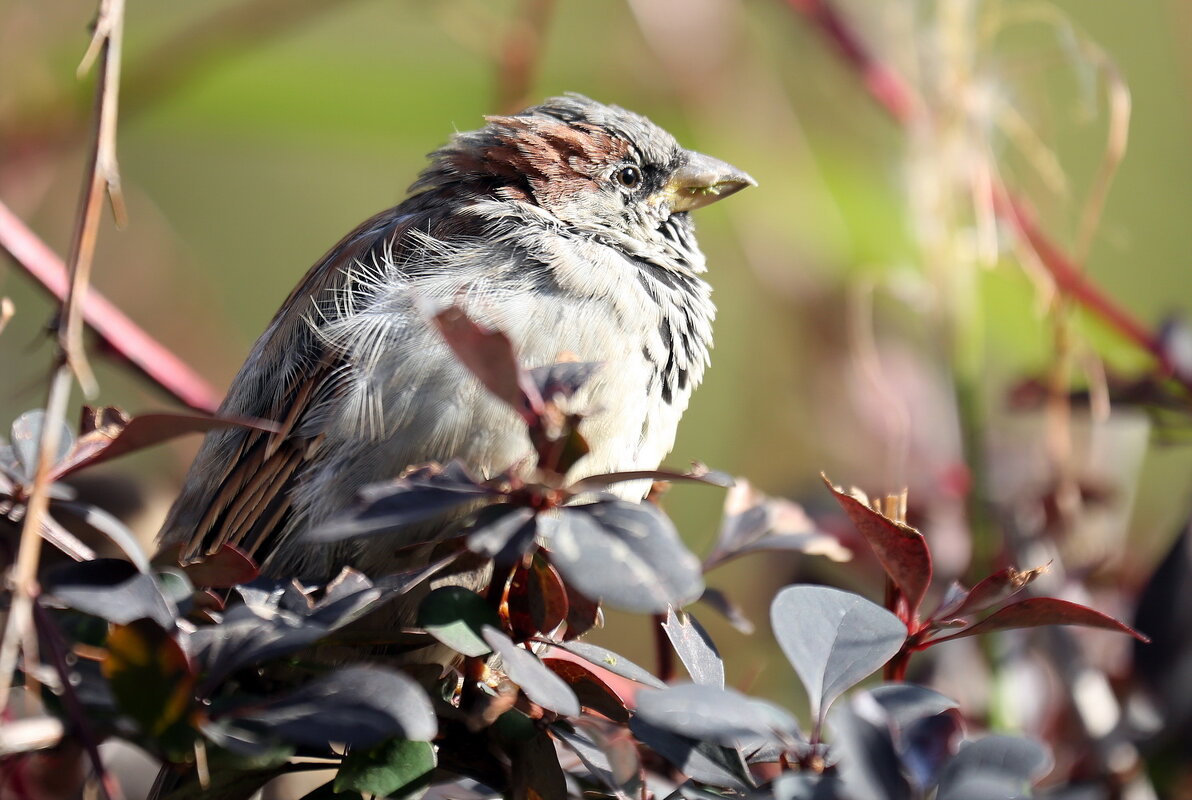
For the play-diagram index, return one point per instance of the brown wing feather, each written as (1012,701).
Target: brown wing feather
(248,506)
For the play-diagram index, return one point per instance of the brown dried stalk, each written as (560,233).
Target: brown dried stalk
(102,178)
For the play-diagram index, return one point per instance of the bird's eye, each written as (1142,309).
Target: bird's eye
(629,177)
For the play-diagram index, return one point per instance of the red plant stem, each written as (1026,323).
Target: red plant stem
(116,330)
(884,84)
(1072,282)
(894,95)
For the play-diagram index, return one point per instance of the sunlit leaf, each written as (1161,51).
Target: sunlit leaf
(833,639)
(707,713)
(695,648)
(540,684)
(626,554)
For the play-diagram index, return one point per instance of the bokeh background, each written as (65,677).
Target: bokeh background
(872,323)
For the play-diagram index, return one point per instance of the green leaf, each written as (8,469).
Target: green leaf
(455,616)
(397,769)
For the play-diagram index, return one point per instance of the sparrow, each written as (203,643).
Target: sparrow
(567,227)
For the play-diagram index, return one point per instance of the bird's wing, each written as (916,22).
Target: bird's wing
(238,489)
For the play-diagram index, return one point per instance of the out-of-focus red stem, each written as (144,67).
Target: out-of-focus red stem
(894,95)
(117,331)
(1071,281)
(884,84)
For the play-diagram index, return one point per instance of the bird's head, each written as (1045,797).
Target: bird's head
(600,170)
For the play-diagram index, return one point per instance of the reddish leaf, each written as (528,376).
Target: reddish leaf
(1036,611)
(227,568)
(998,587)
(536,601)
(592,692)
(109,432)
(583,614)
(548,596)
(490,357)
(901,549)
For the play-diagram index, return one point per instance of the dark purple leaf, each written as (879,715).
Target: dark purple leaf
(905,703)
(359,706)
(927,743)
(754,522)
(723,716)
(833,639)
(245,637)
(503,532)
(111,589)
(1036,611)
(423,494)
(900,548)
(1165,612)
(1012,762)
(732,612)
(457,617)
(695,648)
(702,761)
(626,554)
(537,682)
(868,763)
(607,659)
(534,770)
(489,355)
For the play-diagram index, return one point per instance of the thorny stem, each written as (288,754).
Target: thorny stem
(101,177)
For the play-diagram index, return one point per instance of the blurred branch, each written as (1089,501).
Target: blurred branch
(125,338)
(521,53)
(896,96)
(884,85)
(102,178)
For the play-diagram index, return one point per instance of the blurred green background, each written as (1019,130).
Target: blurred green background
(254,134)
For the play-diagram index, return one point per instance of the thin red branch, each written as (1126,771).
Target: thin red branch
(896,96)
(117,331)
(884,84)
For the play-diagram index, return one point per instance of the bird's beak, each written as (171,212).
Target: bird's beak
(703,180)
